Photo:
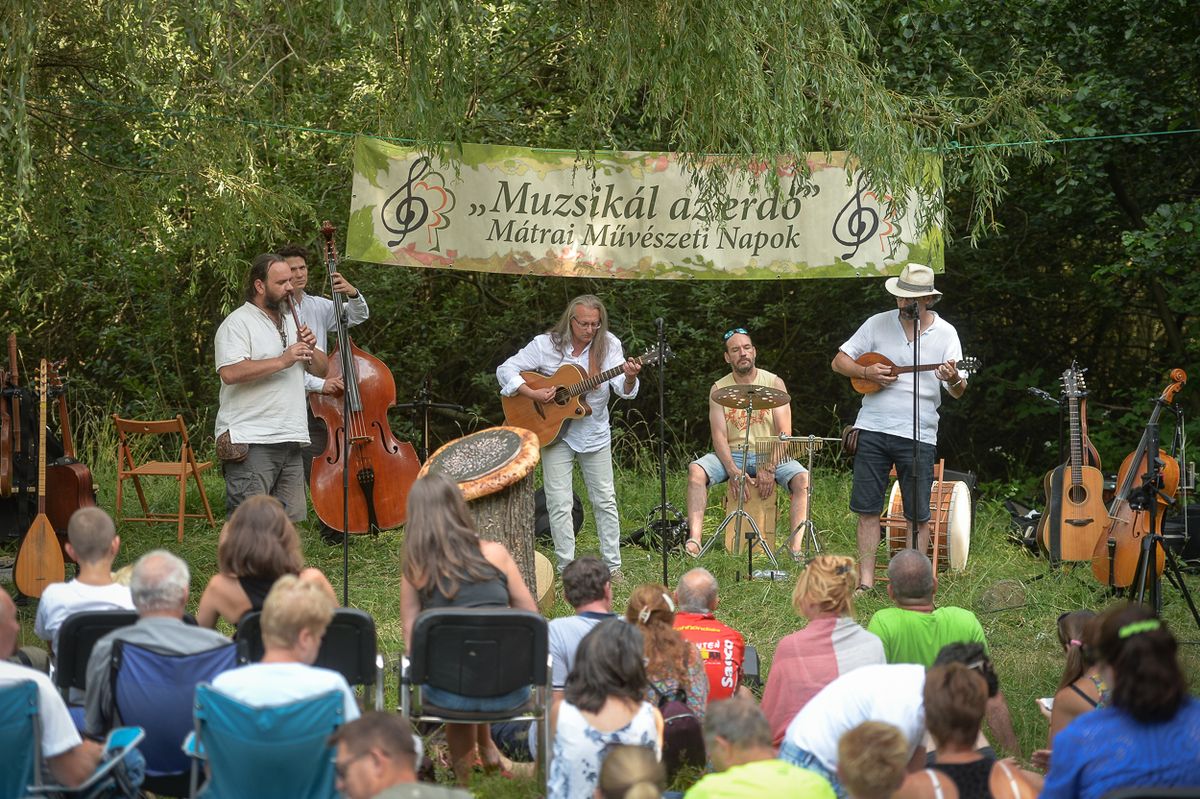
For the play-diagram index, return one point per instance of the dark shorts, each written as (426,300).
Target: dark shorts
(877,453)
(273,469)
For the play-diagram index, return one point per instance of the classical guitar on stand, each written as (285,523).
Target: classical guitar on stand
(549,419)
(966,367)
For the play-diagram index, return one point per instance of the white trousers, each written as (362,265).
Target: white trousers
(596,467)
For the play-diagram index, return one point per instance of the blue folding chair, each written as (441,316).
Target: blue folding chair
(155,691)
(18,736)
(265,752)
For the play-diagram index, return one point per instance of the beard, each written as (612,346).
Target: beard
(744,367)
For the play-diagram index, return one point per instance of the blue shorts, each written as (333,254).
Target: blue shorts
(877,453)
(715,470)
(474,704)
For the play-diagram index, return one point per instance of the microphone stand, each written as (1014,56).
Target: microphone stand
(424,404)
(914,308)
(663,504)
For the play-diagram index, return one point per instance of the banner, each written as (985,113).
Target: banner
(636,215)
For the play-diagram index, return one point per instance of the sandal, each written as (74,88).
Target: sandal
(864,589)
(688,552)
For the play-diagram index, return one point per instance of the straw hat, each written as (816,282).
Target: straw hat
(916,280)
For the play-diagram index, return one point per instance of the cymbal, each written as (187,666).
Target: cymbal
(741,396)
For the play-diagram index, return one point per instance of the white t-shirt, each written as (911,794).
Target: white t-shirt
(61,600)
(890,410)
(270,410)
(58,731)
(269,684)
(881,692)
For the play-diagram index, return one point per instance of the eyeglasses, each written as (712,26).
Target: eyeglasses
(340,769)
(731,333)
(586,325)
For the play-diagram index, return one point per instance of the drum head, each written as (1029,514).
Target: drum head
(958,533)
(487,461)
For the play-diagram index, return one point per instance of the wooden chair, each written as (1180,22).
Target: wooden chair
(183,468)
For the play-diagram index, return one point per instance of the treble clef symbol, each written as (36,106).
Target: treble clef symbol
(861,221)
(410,212)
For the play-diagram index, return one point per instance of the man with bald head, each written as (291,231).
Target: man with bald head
(723,647)
(160,593)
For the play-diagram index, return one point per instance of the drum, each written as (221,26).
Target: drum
(763,511)
(494,468)
(949,515)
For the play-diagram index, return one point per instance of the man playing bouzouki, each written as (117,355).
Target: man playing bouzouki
(581,338)
(885,422)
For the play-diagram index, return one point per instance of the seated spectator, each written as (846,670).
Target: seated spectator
(915,630)
(159,587)
(955,700)
(604,705)
(257,546)
(872,760)
(294,619)
(738,740)
(1081,688)
(672,663)
(447,564)
(1146,736)
(630,772)
(722,646)
(830,645)
(377,759)
(886,692)
(69,759)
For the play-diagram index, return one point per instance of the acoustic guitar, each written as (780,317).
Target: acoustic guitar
(966,367)
(40,561)
(548,420)
(1075,515)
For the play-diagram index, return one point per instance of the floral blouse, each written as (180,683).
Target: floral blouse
(697,692)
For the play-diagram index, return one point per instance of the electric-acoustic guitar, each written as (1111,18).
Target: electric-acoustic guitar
(966,367)
(548,420)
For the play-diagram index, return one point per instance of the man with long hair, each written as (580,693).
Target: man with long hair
(581,337)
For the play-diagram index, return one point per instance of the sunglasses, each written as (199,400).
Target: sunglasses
(731,333)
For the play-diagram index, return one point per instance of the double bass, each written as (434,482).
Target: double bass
(381,469)
(1115,558)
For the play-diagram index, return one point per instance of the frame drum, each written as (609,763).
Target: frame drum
(954,514)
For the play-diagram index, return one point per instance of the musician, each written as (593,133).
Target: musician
(728,426)
(580,337)
(885,421)
(319,314)
(262,358)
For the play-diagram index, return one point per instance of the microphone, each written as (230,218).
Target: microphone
(911,310)
(1037,392)
(658,324)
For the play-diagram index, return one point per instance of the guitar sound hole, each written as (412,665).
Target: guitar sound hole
(561,396)
(1077,494)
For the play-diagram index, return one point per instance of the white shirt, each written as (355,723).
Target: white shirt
(890,693)
(319,315)
(592,432)
(58,730)
(270,684)
(890,409)
(60,600)
(269,410)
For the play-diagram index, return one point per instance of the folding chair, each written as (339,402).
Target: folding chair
(480,652)
(76,639)
(154,691)
(349,648)
(265,752)
(751,670)
(1178,792)
(181,469)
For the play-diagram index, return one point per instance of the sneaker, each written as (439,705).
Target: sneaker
(616,576)
(331,536)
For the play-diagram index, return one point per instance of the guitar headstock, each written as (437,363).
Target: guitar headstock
(650,356)
(56,384)
(1072,381)
(968,366)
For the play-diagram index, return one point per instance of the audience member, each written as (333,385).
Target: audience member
(631,772)
(915,631)
(1146,737)
(721,646)
(830,645)
(604,705)
(294,617)
(955,699)
(872,760)
(1081,688)
(69,759)
(890,693)
(92,542)
(159,587)
(738,739)
(377,759)
(446,564)
(257,546)
(672,663)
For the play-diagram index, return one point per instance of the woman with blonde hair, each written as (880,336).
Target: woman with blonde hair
(831,645)
(631,772)
(447,564)
(673,665)
(257,546)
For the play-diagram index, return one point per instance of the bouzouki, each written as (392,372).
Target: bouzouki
(1075,515)
(549,419)
(40,561)
(967,366)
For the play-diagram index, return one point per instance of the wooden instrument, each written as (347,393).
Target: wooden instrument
(548,420)
(967,367)
(1075,515)
(1116,555)
(772,452)
(40,561)
(381,468)
(69,483)
(10,420)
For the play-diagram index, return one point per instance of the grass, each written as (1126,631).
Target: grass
(1015,595)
